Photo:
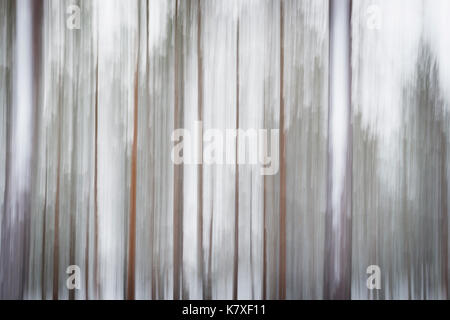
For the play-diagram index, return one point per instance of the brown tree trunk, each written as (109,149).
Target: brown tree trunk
(132,223)
(132,226)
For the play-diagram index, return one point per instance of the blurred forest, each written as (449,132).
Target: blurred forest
(86,176)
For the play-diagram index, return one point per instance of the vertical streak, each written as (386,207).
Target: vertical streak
(152,167)
(200,167)
(236,194)
(72,213)
(8,164)
(56,226)
(16,214)
(264,273)
(44,231)
(37,113)
(405,207)
(444,212)
(86,252)
(209,285)
(339,191)
(132,231)
(282,284)
(329,179)
(177,176)
(96,284)
(348,183)
(264,280)
(58,182)
(251,239)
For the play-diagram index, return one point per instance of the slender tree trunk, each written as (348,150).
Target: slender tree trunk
(200,167)
(58,179)
(4,267)
(282,264)
(338,240)
(152,163)
(44,231)
(132,222)
(73,196)
(24,38)
(86,251)
(444,211)
(178,172)
(236,194)
(96,282)
(37,113)
(209,284)
(264,279)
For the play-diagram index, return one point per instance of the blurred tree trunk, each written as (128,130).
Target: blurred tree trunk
(338,232)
